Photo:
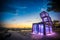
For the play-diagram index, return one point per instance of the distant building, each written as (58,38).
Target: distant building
(44,27)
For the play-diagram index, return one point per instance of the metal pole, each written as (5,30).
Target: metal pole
(44,30)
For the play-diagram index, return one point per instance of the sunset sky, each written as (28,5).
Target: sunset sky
(22,13)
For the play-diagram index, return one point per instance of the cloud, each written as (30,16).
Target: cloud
(18,7)
(43,9)
(23,7)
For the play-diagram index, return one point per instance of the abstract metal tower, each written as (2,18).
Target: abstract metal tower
(44,27)
(47,22)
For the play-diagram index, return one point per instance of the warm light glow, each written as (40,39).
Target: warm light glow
(50,34)
(16,22)
(21,25)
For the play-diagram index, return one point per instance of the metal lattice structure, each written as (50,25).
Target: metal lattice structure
(44,27)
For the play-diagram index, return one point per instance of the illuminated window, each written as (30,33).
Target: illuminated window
(48,29)
(41,28)
(45,19)
(47,14)
(34,28)
(43,15)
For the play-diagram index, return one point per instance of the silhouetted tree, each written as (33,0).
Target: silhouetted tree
(4,33)
(54,5)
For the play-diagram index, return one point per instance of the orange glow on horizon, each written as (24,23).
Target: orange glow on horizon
(22,25)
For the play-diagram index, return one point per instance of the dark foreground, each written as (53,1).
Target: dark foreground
(26,35)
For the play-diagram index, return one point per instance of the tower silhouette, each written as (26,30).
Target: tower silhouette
(44,27)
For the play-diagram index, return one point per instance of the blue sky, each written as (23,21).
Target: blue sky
(24,11)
